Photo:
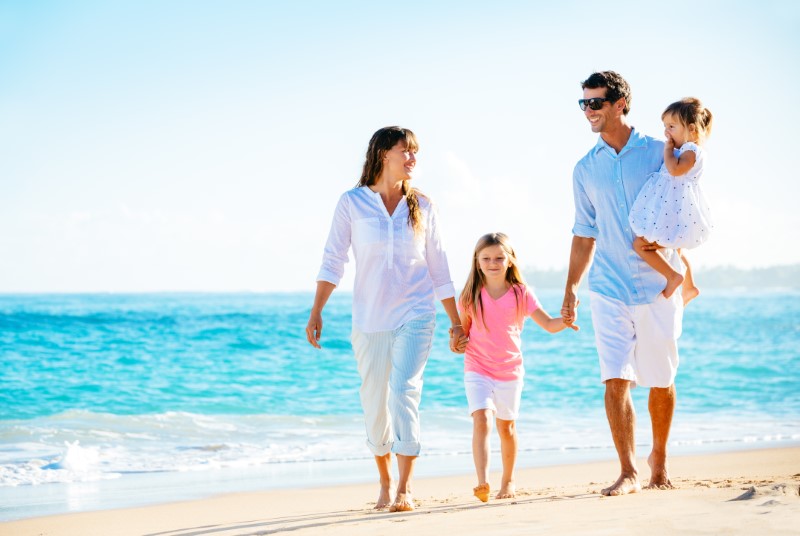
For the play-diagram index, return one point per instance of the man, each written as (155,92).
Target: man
(636,328)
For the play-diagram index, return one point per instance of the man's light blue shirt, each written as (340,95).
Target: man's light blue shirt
(605,185)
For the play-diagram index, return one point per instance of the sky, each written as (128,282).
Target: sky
(202,146)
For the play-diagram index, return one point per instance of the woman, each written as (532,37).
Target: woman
(400,267)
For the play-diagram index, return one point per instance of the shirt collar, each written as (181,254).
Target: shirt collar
(635,140)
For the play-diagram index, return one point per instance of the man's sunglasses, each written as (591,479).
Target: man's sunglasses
(595,103)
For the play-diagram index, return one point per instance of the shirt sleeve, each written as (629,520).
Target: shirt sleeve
(436,258)
(531,302)
(335,255)
(585,215)
(689,146)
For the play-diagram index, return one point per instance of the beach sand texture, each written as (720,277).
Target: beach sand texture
(748,492)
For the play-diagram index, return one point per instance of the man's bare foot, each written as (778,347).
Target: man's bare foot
(402,503)
(689,293)
(384,497)
(673,282)
(623,486)
(507,491)
(659,477)
(481,491)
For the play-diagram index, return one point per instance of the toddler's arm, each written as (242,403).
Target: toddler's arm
(677,165)
(552,325)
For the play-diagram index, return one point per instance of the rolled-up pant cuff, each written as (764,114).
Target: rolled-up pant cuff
(406,448)
(379,450)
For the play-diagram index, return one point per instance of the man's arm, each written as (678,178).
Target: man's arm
(580,258)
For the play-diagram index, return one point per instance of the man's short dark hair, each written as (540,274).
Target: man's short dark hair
(616,87)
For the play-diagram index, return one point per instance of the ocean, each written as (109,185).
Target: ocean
(113,400)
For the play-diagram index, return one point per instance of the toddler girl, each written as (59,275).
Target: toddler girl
(670,210)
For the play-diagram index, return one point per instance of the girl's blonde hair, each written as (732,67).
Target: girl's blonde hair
(381,142)
(691,113)
(470,298)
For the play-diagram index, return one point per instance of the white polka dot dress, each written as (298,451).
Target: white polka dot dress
(672,210)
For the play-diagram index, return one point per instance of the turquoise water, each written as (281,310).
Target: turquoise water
(100,388)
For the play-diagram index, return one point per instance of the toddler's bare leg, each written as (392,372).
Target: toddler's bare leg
(689,290)
(656,260)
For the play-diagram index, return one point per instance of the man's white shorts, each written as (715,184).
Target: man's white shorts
(638,342)
(502,397)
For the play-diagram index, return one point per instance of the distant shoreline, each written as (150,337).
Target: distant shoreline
(718,277)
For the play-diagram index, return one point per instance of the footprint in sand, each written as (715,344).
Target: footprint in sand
(776,490)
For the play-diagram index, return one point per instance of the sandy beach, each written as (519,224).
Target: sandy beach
(747,492)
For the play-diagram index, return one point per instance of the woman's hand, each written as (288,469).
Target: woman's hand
(458,341)
(314,329)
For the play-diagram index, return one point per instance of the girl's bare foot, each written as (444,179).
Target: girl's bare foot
(507,491)
(689,293)
(481,491)
(673,282)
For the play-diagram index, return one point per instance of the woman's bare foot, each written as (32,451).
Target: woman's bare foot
(659,477)
(402,503)
(507,491)
(384,497)
(623,486)
(673,282)
(481,491)
(689,293)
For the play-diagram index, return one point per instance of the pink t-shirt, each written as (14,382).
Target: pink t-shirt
(497,352)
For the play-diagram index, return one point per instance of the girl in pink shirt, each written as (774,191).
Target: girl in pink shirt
(493,307)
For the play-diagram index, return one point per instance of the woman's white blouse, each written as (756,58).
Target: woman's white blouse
(398,274)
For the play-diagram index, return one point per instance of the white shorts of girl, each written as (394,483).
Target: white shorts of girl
(502,397)
(638,343)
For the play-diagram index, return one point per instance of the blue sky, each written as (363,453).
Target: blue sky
(150,146)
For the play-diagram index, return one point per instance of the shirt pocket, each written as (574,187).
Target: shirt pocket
(413,244)
(366,231)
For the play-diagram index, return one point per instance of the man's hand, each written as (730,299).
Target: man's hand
(651,246)
(569,310)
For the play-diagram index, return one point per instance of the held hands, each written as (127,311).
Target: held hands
(314,329)
(458,341)
(569,310)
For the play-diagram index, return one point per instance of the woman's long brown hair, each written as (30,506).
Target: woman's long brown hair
(471,295)
(381,142)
